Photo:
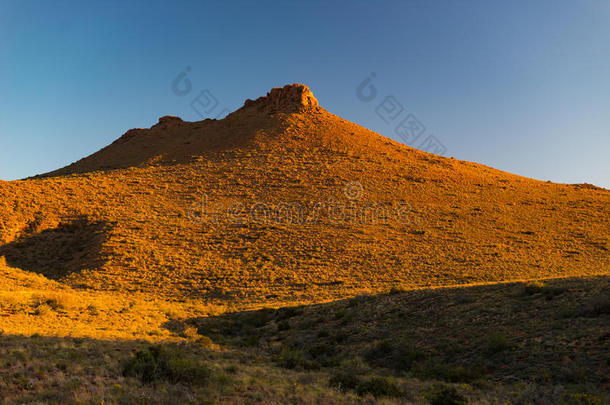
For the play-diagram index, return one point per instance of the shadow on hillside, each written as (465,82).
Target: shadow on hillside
(556,330)
(61,370)
(57,252)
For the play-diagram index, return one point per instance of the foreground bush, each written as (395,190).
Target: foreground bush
(376,386)
(445,395)
(168,364)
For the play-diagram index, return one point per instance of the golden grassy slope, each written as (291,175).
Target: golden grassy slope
(496,344)
(142,227)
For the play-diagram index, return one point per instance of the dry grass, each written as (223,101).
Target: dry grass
(102,258)
(140,229)
(373,349)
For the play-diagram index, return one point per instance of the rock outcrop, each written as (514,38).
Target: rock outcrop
(290,98)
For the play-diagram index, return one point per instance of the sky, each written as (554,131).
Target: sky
(521,86)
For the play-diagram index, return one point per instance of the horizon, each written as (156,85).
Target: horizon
(520,87)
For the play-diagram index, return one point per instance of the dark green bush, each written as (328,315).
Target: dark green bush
(168,364)
(497,343)
(444,395)
(379,387)
(295,359)
(345,381)
(376,386)
(325,354)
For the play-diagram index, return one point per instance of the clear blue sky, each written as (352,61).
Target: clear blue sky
(518,85)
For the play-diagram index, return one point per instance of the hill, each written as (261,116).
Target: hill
(282,201)
(285,255)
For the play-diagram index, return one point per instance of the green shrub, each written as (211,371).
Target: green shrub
(407,357)
(497,343)
(444,395)
(322,350)
(379,387)
(345,381)
(296,360)
(376,386)
(325,354)
(159,363)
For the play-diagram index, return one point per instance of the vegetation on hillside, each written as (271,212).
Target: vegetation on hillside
(284,255)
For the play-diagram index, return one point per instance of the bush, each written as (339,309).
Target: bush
(296,360)
(376,386)
(497,343)
(444,395)
(324,354)
(322,350)
(160,363)
(379,387)
(345,381)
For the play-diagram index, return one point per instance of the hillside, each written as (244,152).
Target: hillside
(534,343)
(285,255)
(282,202)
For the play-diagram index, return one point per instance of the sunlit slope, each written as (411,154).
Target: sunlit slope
(266,205)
